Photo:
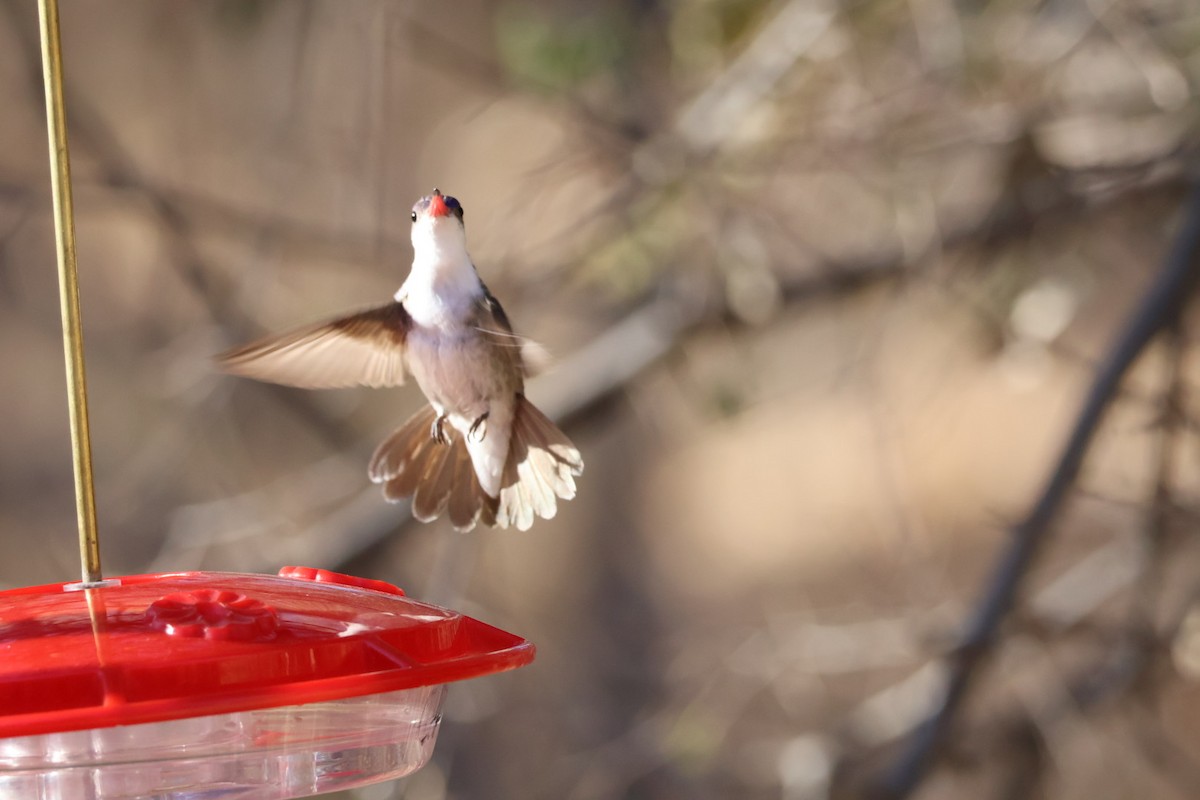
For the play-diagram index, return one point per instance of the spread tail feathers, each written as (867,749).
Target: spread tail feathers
(540,468)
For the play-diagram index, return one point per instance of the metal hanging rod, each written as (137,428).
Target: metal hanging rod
(68,289)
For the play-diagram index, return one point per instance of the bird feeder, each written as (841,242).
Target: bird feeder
(212,684)
(227,685)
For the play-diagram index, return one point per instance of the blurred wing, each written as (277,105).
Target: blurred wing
(365,348)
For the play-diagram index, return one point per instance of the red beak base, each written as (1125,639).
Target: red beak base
(437,206)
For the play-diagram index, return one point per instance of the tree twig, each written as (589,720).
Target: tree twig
(1159,307)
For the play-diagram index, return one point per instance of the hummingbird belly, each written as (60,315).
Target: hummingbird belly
(458,373)
(476,391)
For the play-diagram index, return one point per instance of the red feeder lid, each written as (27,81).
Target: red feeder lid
(148,648)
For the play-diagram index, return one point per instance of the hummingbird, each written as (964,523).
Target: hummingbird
(479,452)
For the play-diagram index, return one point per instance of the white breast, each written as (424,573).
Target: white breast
(443,287)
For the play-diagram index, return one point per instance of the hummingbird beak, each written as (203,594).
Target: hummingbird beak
(437,205)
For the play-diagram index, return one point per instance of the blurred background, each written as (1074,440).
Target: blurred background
(825,285)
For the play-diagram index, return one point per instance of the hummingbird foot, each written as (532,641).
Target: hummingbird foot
(437,431)
(478,429)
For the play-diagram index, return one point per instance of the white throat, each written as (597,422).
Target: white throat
(443,286)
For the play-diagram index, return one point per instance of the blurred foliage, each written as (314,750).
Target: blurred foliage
(704,34)
(551,48)
(242,17)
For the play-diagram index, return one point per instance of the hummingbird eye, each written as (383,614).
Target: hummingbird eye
(414,216)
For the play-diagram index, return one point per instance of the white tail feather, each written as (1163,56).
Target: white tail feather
(539,468)
(542,463)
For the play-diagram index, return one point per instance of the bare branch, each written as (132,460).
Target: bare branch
(1160,306)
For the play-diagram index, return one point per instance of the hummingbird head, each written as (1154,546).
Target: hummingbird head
(437,206)
(438,231)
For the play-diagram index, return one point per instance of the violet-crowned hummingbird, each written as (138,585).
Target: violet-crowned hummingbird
(479,451)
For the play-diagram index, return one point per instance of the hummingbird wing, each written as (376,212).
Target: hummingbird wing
(366,348)
(528,356)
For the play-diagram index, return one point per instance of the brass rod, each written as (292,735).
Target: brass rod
(68,287)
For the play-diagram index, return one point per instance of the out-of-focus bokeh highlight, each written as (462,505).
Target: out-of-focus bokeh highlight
(824,285)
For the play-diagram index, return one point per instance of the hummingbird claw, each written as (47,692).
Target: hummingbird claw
(476,427)
(437,431)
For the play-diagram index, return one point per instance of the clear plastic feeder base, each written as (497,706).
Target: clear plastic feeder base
(264,754)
